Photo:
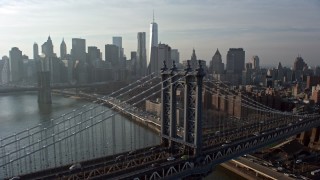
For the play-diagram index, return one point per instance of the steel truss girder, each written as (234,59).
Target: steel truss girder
(118,166)
(220,154)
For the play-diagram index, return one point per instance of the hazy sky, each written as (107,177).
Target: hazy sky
(275,30)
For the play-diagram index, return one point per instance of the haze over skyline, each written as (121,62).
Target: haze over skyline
(273,30)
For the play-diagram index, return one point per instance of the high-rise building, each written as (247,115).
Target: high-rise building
(299,64)
(193,62)
(132,64)
(164,54)
(153,40)
(35,51)
(247,74)
(78,51)
(175,56)
(117,40)
(63,50)
(16,64)
(312,81)
(47,48)
(133,55)
(216,65)
(235,60)
(193,56)
(94,61)
(317,71)
(280,74)
(161,53)
(1,68)
(141,66)
(255,62)
(93,55)
(5,73)
(111,55)
(79,56)
(235,65)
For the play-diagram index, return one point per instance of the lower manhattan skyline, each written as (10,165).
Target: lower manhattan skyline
(274,30)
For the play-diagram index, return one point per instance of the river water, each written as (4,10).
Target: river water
(21,111)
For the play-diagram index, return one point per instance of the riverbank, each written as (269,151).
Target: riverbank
(135,117)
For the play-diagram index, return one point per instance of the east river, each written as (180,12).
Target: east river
(21,111)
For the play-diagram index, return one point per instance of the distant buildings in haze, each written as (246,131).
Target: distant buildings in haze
(86,64)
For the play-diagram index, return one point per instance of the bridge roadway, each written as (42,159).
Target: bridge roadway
(258,169)
(179,168)
(112,162)
(141,162)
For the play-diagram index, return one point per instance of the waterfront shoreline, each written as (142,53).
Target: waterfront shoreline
(134,118)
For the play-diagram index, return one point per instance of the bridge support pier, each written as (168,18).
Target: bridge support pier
(44,93)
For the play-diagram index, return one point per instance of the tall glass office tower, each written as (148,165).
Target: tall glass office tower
(141,54)
(153,39)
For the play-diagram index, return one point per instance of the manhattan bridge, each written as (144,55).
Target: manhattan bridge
(76,145)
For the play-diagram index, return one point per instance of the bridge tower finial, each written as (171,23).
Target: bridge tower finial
(174,67)
(164,68)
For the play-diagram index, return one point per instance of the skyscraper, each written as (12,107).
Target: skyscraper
(141,54)
(15,64)
(235,65)
(153,40)
(175,56)
(93,59)
(255,62)
(194,61)
(216,65)
(93,55)
(63,50)
(299,64)
(35,51)
(132,64)
(235,60)
(5,73)
(79,56)
(111,55)
(161,53)
(280,74)
(47,48)
(78,51)
(117,40)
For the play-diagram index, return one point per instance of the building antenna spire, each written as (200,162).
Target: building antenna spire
(153,15)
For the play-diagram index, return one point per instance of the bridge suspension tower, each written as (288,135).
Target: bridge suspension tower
(192,85)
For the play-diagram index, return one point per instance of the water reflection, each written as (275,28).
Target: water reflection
(45,110)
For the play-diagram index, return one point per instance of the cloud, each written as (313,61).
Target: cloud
(204,24)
